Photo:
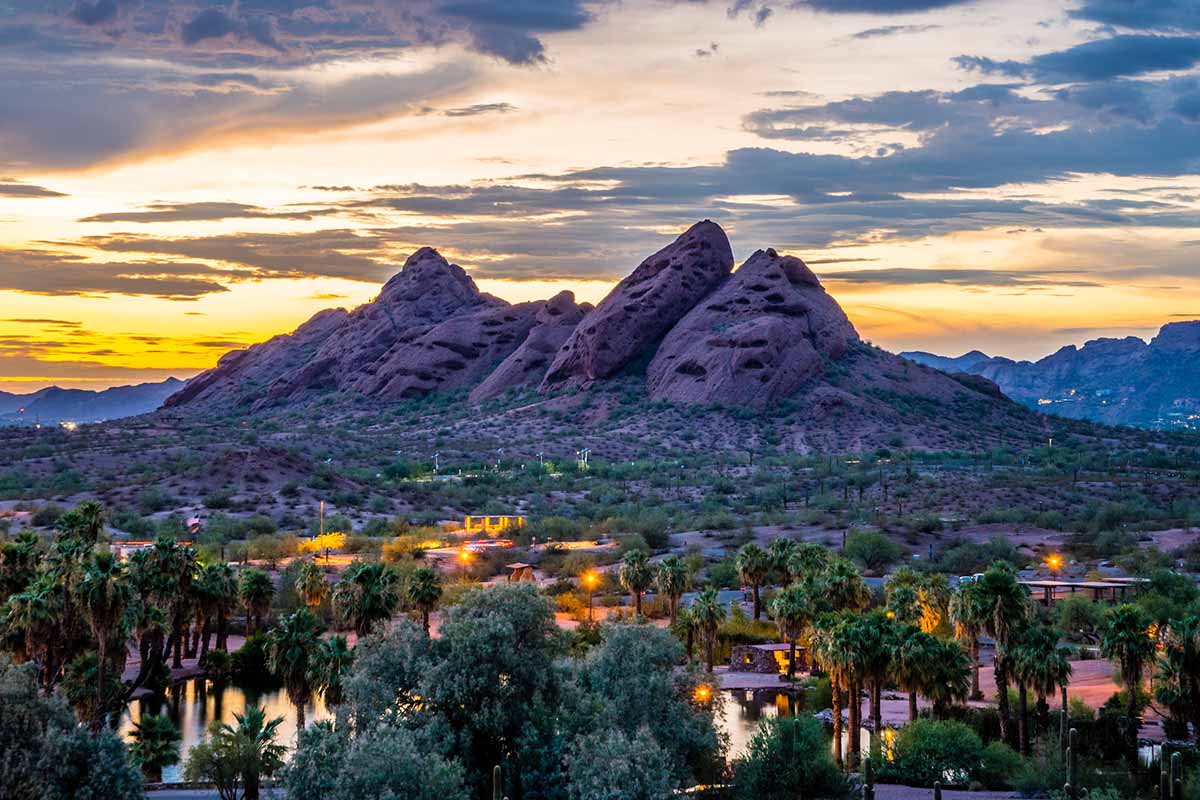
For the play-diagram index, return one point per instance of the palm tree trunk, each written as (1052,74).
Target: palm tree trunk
(709,641)
(251,781)
(101,677)
(912,705)
(855,698)
(425,620)
(757,604)
(791,673)
(637,606)
(836,688)
(177,651)
(1134,683)
(1023,718)
(876,710)
(205,634)
(1063,720)
(222,631)
(976,692)
(1001,674)
(299,718)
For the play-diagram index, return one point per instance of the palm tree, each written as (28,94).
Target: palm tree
(242,752)
(424,591)
(935,594)
(1128,642)
(18,563)
(904,596)
(256,591)
(671,579)
(808,560)
(33,615)
(311,585)
(1006,608)
(843,587)
(876,643)
(828,645)
(105,595)
(635,576)
(708,614)
(968,613)
(685,626)
(291,654)
(753,566)
(792,613)
(950,679)
(1177,684)
(223,592)
(1039,664)
(916,659)
(84,522)
(782,550)
(367,594)
(155,745)
(330,664)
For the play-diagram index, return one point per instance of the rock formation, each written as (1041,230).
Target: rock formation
(755,340)
(643,307)
(527,364)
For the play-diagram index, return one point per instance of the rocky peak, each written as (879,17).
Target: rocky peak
(755,340)
(643,307)
(426,272)
(1178,336)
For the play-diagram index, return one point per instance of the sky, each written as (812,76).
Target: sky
(178,179)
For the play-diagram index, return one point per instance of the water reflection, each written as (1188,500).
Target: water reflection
(193,706)
(744,709)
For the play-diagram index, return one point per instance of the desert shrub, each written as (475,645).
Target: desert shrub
(724,574)
(153,499)
(999,763)
(788,757)
(928,751)
(875,551)
(47,515)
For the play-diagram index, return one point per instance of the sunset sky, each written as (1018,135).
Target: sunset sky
(182,178)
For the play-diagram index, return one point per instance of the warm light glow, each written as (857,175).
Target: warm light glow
(1054,561)
(590,579)
(702,694)
(464,556)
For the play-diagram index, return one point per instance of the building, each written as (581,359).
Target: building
(493,525)
(521,572)
(124,549)
(764,659)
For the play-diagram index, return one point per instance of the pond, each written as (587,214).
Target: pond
(193,705)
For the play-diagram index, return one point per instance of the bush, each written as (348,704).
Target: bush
(248,664)
(928,751)
(46,516)
(1000,763)
(875,551)
(788,758)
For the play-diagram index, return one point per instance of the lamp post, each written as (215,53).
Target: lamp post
(1054,562)
(589,578)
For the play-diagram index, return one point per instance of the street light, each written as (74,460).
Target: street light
(1054,562)
(702,694)
(589,580)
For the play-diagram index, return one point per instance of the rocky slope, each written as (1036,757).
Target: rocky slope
(1117,381)
(643,307)
(682,329)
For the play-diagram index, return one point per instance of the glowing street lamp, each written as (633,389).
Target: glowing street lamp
(590,580)
(1054,562)
(702,694)
(464,558)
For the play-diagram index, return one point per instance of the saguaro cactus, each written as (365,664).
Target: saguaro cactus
(496,784)
(1071,789)
(868,779)
(1177,776)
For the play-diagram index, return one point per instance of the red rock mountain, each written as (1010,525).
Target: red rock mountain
(759,336)
(768,329)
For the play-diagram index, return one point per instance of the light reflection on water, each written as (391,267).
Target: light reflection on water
(193,705)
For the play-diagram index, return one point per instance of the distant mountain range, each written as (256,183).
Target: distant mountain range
(53,405)
(1117,381)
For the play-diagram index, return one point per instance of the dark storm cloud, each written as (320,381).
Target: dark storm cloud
(12,188)
(1118,56)
(328,253)
(197,212)
(1181,15)
(48,273)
